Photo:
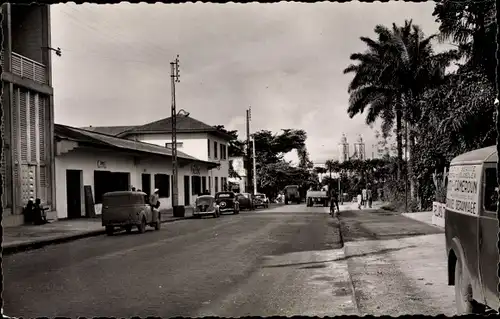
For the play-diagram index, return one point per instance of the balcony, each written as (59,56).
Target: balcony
(26,68)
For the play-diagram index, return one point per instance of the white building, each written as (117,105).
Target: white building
(343,149)
(359,149)
(238,163)
(195,138)
(89,164)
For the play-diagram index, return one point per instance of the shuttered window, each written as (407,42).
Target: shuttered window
(31,136)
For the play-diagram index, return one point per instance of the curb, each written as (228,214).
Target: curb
(11,249)
(351,284)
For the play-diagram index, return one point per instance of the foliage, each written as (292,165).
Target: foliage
(235,147)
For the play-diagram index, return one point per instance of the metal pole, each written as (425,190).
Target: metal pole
(254,168)
(174,68)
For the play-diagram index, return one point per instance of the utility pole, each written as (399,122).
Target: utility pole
(174,70)
(254,168)
(249,165)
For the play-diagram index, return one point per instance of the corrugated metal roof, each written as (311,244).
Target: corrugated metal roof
(81,135)
(486,154)
(109,130)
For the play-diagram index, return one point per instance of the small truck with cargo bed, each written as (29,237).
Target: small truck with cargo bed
(316,197)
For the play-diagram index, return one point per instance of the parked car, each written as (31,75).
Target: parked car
(206,205)
(245,200)
(126,209)
(261,200)
(227,202)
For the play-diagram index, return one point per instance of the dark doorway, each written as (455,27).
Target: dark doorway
(187,190)
(74,193)
(146,183)
(105,181)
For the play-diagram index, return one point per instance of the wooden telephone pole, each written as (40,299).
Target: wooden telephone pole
(249,154)
(174,69)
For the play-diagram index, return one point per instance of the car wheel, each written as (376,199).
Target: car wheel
(142,226)
(463,289)
(109,230)
(128,229)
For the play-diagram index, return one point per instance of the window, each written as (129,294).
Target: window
(215,149)
(216,183)
(223,151)
(204,183)
(224,183)
(210,184)
(490,189)
(196,185)
(162,182)
(208,148)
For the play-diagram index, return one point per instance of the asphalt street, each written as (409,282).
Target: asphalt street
(283,261)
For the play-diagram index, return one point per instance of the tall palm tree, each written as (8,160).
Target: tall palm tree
(391,75)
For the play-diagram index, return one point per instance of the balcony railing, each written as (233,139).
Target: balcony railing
(26,68)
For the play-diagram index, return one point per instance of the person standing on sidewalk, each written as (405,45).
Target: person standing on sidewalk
(369,196)
(154,201)
(360,199)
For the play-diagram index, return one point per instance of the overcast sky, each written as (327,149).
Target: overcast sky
(284,60)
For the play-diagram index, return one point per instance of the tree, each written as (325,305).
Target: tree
(392,75)
(471,25)
(235,147)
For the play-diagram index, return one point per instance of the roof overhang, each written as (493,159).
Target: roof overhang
(214,132)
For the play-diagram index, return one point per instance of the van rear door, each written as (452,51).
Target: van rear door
(488,236)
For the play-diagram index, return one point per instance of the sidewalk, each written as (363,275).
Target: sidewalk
(424,217)
(28,237)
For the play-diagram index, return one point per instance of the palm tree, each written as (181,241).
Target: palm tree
(392,74)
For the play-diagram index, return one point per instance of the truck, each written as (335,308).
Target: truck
(317,197)
(292,194)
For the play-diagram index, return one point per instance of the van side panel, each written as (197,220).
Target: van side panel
(461,217)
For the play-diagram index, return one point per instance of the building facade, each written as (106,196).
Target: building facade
(93,163)
(27,165)
(359,149)
(195,138)
(343,149)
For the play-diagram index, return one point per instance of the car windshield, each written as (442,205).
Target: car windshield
(262,196)
(204,201)
(224,195)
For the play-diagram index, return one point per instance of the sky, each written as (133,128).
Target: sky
(283,60)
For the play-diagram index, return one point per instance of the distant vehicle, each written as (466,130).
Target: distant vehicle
(206,205)
(245,200)
(261,200)
(317,197)
(227,202)
(126,209)
(292,194)
(471,231)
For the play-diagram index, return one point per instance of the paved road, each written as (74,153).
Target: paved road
(256,263)
(397,265)
(282,261)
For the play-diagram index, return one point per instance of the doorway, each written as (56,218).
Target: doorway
(187,190)
(146,183)
(74,193)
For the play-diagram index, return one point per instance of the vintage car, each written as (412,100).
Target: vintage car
(245,200)
(206,205)
(227,202)
(260,200)
(125,209)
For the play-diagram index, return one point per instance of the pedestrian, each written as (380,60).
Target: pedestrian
(29,212)
(154,201)
(369,196)
(363,200)
(360,199)
(334,200)
(39,212)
